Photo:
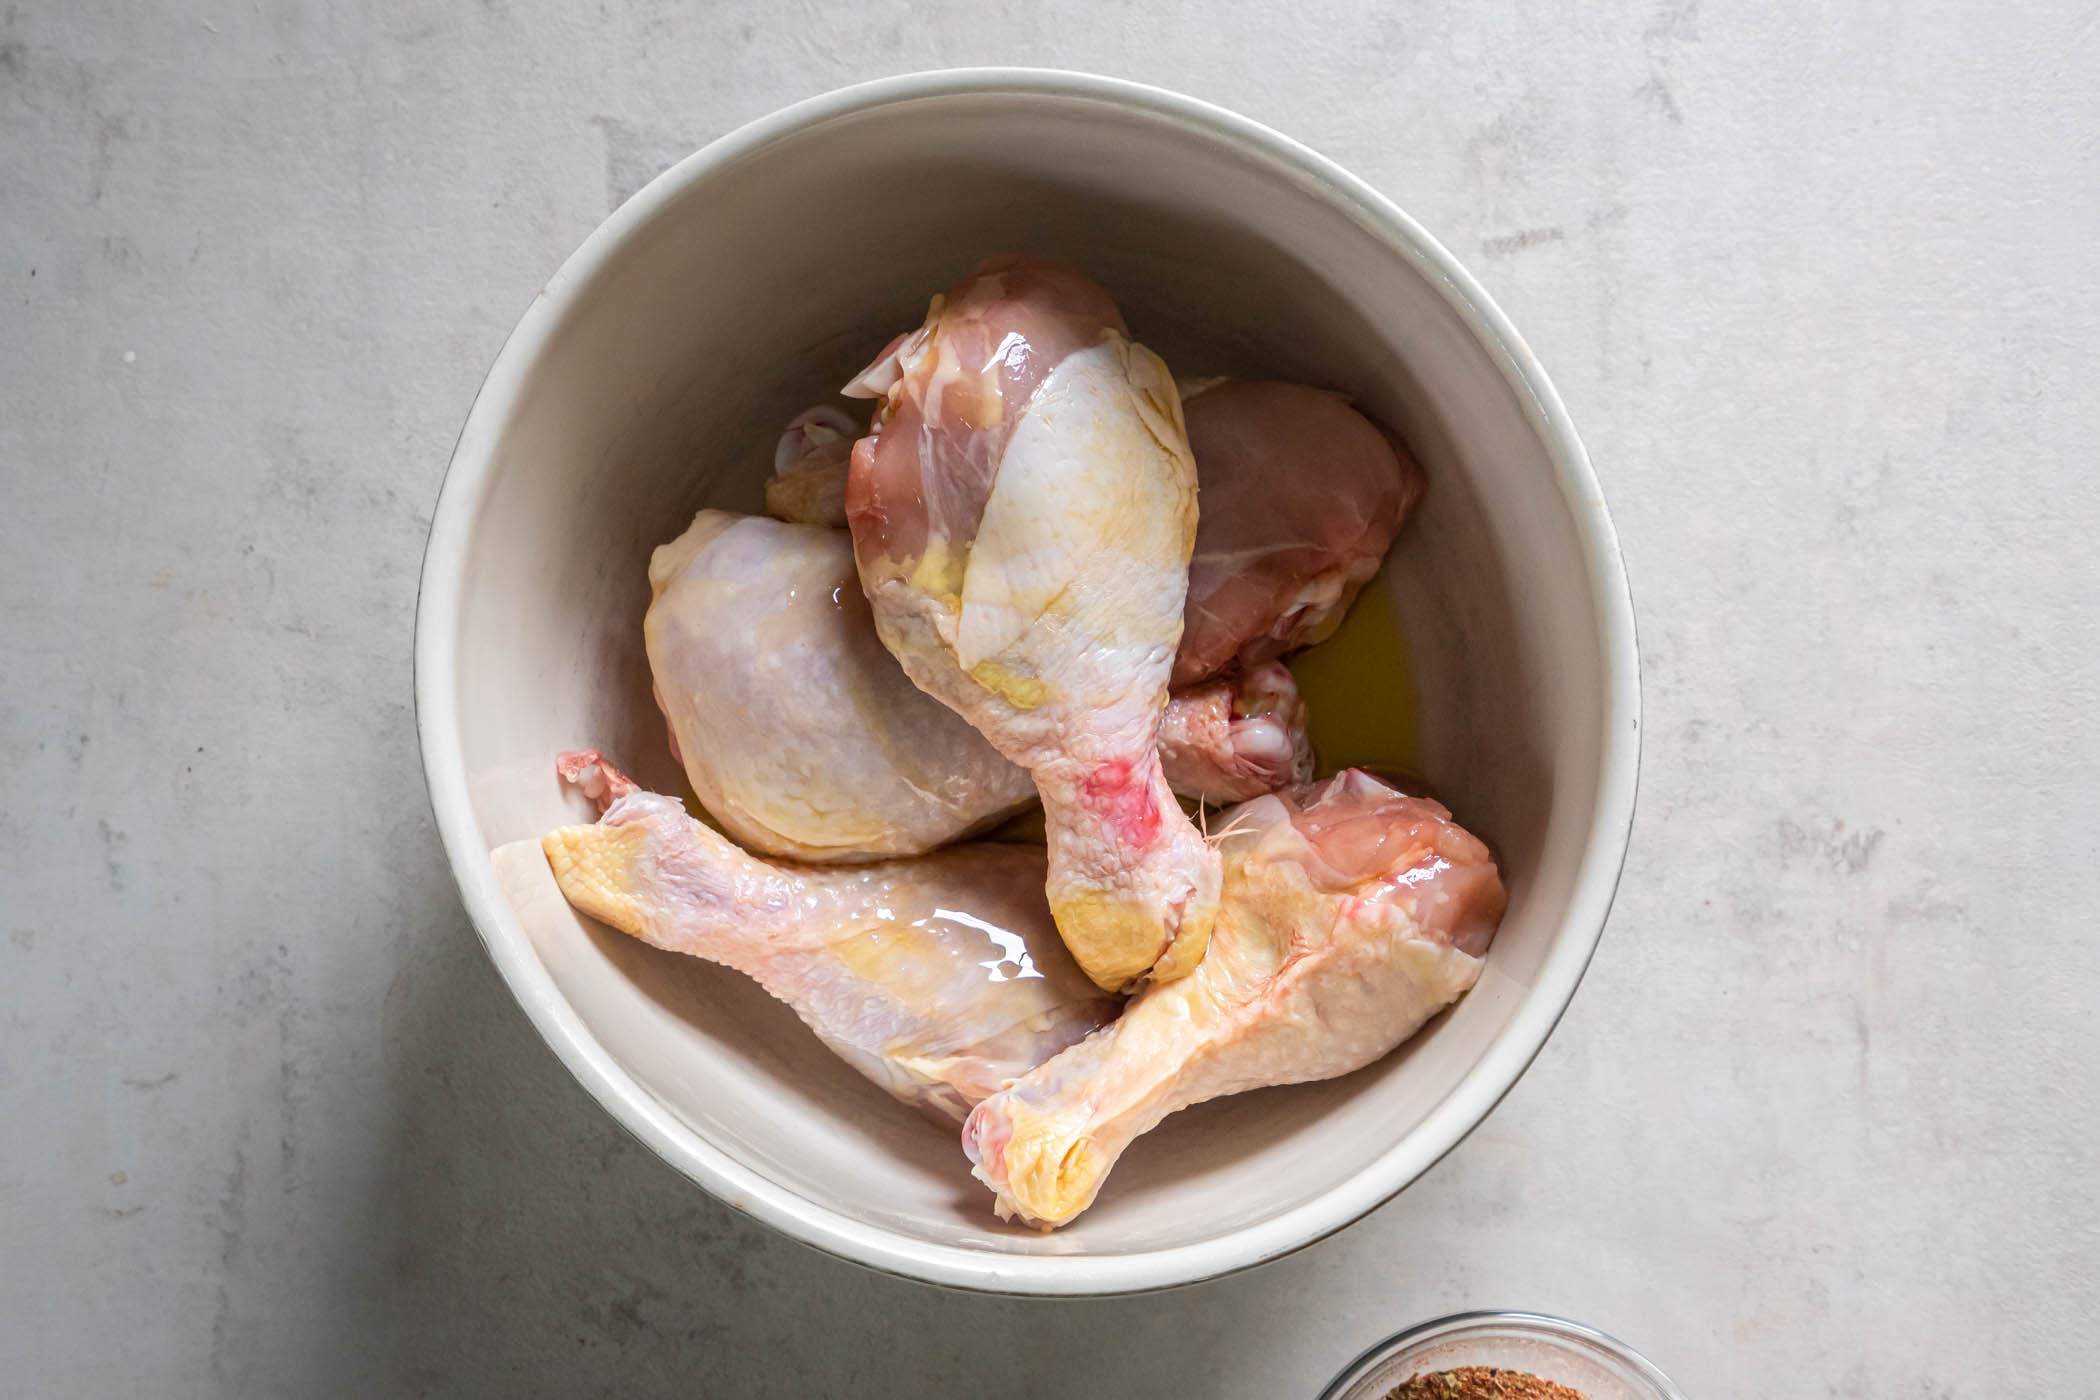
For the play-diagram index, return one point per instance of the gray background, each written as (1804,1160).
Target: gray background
(1820,287)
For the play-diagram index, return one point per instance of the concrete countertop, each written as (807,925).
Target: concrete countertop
(1819,288)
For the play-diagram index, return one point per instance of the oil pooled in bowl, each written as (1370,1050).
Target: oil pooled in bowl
(1359,687)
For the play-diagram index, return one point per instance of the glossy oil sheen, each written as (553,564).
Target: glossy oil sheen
(1359,688)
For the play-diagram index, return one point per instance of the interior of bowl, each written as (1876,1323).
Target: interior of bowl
(751,286)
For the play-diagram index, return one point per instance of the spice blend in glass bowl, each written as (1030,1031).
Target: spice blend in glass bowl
(1501,1356)
(1481,1383)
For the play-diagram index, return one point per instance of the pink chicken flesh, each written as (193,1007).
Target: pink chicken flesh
(1236,736)
(941,979)
(1301,498)
(1352,913)
(1022,516)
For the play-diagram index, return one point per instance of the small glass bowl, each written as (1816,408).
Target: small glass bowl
(1551,1348)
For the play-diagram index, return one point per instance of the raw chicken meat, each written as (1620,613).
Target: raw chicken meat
(808,485)
(1022,516)
(1301,498)
(803,737)
(942,979)
(1352,914)
(1236,737)
(798,731)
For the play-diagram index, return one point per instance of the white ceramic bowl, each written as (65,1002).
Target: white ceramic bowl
(649,378)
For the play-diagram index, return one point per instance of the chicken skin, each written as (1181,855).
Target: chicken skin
(1302,496)
(1352,913)
(1237,736)
(941,979)
(808,485)
(803,737)
(1022,513)
(797,729)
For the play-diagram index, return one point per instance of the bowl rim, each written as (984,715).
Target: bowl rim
(465,487)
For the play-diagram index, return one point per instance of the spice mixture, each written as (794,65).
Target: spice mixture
(1481,1383)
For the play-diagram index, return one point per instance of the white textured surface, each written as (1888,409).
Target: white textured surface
(1818,288)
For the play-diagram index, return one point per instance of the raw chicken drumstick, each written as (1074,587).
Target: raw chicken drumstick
(1352,914)
(798,730)
(1022,516)
(1301,498)
(937,1006)
(804,738)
